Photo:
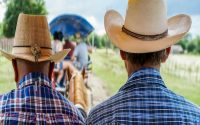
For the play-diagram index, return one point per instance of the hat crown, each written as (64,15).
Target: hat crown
(146,17)
(32,29)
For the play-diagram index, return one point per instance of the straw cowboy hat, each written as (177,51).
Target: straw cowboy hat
(32,41)
(146,27)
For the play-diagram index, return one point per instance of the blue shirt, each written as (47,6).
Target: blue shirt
(81,54)
(143,100)
(35,102)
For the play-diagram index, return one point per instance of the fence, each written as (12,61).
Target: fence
(6,44)
(184,67)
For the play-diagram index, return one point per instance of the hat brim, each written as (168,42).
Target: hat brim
(57,57)
(178,26)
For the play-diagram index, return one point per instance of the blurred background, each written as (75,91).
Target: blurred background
(181,72)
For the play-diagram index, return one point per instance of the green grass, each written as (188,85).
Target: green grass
(6,76)
(184,87)
(110,68)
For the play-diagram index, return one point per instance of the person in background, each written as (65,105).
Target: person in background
(144,40)
(80,55)
(57,41)
(35,102)
(69,45)
(58,46)
(90,49)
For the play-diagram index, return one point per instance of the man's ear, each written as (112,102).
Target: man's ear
(14,63)
(167,52)
(51,67)
(123,55)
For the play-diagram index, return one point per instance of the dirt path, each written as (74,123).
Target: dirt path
(98,89)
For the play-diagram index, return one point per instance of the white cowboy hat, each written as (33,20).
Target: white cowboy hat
(32,41)
(146,27)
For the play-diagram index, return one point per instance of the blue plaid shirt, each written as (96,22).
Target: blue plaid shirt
(145,99)
(34,102)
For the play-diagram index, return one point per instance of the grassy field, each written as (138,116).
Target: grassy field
(184,66)
(6,76)
(111,69)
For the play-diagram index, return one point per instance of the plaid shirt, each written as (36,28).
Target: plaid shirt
(145,99)
(34,102)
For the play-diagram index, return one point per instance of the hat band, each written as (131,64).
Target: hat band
(145,37)
(44,52)
(34,50)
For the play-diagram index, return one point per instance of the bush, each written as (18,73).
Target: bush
(193,46)
(190,45)
(100,41)
(185,41)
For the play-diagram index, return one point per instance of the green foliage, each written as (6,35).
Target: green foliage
(100,41)
(15,7)
(194,46)
(97,41)
(184,42)
(1,30)
(191,45)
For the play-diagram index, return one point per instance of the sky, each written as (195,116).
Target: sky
(2,10)
(94,10)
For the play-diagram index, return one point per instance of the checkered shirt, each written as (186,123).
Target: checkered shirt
(145,100)
(34,102)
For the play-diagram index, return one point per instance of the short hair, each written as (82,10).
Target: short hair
(153,58)
(58,36)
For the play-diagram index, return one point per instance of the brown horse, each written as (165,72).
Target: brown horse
(76,90)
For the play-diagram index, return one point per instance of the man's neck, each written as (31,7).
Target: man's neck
(131,68)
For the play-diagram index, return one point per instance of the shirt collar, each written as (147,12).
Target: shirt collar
(144,77)
(34,78)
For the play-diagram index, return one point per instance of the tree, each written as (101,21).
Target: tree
(198,45)
(196,41)
(106,41)
(193,46)
(1,30)
(96,39)
(15,7)
(185,41)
